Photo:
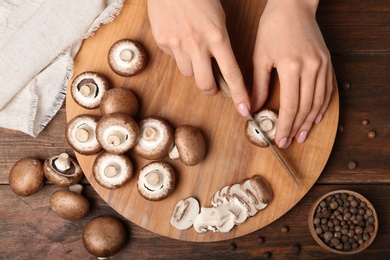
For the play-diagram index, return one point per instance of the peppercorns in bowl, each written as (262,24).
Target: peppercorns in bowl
(343,222)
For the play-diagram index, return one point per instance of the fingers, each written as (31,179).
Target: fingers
(203,72)
(261,79)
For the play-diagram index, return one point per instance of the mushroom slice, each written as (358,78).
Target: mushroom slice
(220,196)
(259,190)
(238,209)
(126,57)
(156,138)
(70,204)
(190,145)
(119,100)
(267,120)
(88,88)
(112,171)
(26,176)
(236,192)
(117,133)
(156,181)
(80,134)
(216,219)
(184,213)
(62,170)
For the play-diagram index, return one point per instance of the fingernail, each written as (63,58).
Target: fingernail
(318,119)
(282,143)
(302,137)
(243,109)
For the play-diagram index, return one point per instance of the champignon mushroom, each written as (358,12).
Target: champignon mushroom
(235,191)
(104,236)
(216,219)
(184,213)
(190,145)
(26,176)
(112,171)
(117,133)
(267,120)
(81,135)
(70,204)
(156,138)
(87,89)
(126,57)
(62,170)
(119,100)
(220,196)
(259,189)
(156,181)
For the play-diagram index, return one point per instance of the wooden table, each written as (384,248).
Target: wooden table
(358,36)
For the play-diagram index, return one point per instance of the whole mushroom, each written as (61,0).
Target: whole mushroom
(26,176)
(267,120)
(189,146)
(126,57)
(104,236)
(117,133)
(119,100)
(70,204)
(62,170)
(87,89)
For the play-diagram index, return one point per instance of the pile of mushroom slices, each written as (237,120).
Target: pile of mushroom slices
(267,120)
(231,206)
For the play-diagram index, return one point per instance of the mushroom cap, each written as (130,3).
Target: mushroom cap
(126,57)
(104,236)
(156,138)
(69,205)
(184,213)
(87,89)
(156,181)
(267,120)
(80,134)
(112,171)
(261,189)
(117,133)
(119,100)
(26,176)
(59,177)
(190,144)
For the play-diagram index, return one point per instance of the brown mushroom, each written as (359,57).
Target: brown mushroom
(80,134)
(190,145)
(112,171)
(267,120)
(62,170)
(156,138)
(259,190)
(156,181)
(87,89)
(26,176)
(117,133)
(184,213)
(70,204)
(104,236)
(119,100)
(127,57)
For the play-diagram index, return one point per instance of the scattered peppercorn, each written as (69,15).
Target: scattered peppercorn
(365,122)
(284,229)
(346,85)
(295,249)
(371,134)
(233,246)
(352,165)
(267,255)
(261,240)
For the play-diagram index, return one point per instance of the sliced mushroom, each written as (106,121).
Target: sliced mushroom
(260,191)
(220,196)
(62,170)
(70,204)
(104,236)
(26,176)
(184,213)
(112,171)
(81,135)
(236,192)
(117,133)
(156,181)
(216,219)
(267,120)
(156,138)
(88,88)
(190,145)
(120,100)
(126,57)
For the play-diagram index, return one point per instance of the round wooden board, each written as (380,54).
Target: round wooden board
(164,92)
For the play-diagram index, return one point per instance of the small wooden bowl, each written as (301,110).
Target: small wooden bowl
(312,226)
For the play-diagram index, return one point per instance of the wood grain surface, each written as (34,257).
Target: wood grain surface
(164,92)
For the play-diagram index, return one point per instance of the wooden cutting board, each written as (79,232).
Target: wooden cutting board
(164,92)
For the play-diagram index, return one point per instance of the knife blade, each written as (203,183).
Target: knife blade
(271,146)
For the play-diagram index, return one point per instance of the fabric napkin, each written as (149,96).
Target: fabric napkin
(38,41)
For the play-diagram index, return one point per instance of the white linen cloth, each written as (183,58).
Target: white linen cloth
(38,41)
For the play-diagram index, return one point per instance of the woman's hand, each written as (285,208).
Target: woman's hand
(193,32)
(290,40)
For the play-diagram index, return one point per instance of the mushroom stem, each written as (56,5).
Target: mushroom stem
(114,140)
(110,171)
(63,162)
(82,135)
(266,125)
(126,55)
(86,90)
(149,133)
(76,188)
(153,178)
